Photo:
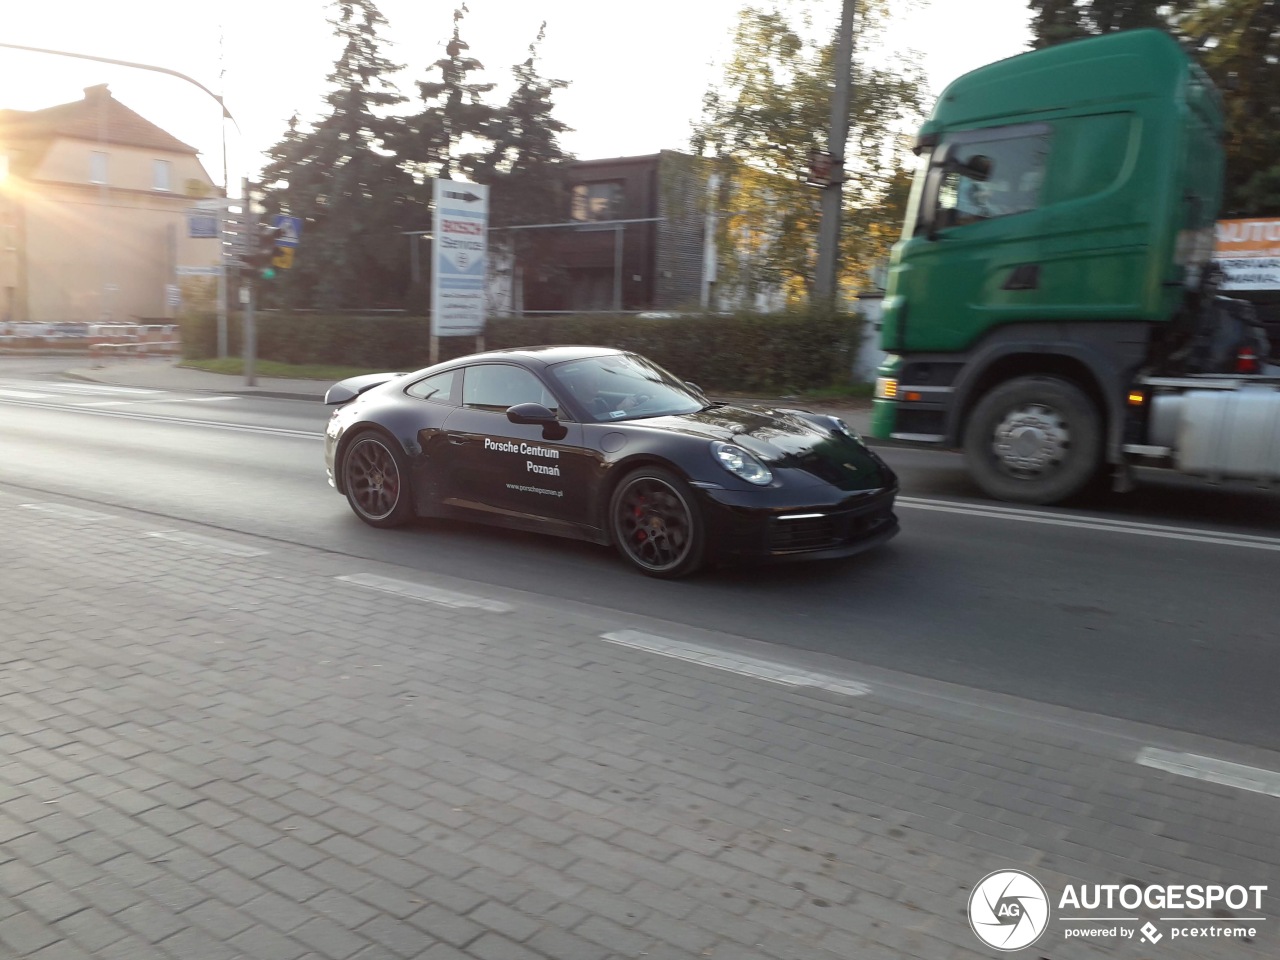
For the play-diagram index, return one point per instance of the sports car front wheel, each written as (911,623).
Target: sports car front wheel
(376,481)
(656,524)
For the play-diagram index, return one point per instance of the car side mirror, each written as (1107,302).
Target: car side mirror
(537,414)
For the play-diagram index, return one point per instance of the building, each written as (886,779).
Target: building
(632,238)
(92,207)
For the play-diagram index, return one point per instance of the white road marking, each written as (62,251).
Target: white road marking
(197,399)
(1133,528)
(1253,779)
(63,386)
(89,411)
(208,543)
(735,663)
(67,513)
(105,403)
(420,591)
(22,394)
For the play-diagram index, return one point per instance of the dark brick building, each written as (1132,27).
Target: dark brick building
(635,239)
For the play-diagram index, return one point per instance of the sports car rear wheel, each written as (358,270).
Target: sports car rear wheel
(376,481)
(656,524)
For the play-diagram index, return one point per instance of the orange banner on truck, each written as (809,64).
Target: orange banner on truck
(1248,251)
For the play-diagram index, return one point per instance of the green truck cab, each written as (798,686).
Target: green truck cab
(1049,287)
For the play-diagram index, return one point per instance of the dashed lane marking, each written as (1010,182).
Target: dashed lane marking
(1253,779)
(1130,527)
(64,512)
(735,663)
(420,591)
(206,543)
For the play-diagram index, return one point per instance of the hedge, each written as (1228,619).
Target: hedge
(745,352)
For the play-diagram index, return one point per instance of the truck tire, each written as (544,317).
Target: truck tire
(1034,440)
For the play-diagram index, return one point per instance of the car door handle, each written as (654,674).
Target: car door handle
(458,441)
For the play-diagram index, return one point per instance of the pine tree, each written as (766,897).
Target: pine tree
(451,133)
(522,165)
(340,178)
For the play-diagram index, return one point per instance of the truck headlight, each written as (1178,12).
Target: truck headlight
(886,388)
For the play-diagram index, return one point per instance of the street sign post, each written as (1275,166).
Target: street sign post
(460,228)
(291,228)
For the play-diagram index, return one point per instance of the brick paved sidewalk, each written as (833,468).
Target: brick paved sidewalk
(215,748)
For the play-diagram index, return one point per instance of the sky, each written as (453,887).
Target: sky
(637,72)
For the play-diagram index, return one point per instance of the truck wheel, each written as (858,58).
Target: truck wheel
(1034,440)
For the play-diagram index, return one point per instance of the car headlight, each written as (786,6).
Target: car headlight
(842,427)
(740,463)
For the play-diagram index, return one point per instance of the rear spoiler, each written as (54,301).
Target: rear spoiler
(344,391)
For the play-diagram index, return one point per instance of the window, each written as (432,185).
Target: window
(597,201)
(438,388)
(997,176)
(497,386)
(97,167)
(161,171)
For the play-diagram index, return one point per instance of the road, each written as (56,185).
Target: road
(1155,607)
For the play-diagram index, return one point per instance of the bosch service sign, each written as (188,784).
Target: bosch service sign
(460,228)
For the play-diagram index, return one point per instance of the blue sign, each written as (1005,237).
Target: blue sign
(203,224)
(292,229)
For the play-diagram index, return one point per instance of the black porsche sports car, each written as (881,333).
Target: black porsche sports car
(603,445)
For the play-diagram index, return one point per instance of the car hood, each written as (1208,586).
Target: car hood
(798,446)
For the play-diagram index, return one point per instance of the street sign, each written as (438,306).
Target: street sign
(211,271)
(203,224)
(461,232)
(283,258)
(292,227)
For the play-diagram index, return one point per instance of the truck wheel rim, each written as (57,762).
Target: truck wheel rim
(1031,441)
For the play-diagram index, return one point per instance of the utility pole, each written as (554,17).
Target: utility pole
(824,286)
(250,348)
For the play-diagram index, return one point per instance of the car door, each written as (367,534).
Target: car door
(435,397)
(513,472)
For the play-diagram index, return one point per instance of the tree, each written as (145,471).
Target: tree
(1057,21)
(771,110)
(1238,44)
(450,134)
(341,179)
(523,162)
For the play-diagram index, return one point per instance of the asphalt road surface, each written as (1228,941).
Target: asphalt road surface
(1156,606)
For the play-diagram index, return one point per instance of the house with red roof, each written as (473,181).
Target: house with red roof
(93,213)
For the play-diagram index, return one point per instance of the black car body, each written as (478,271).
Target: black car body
(602,445)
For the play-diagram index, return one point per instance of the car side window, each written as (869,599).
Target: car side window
(438,388)
(497,386)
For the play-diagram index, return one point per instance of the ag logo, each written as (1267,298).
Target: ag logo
(1008,910)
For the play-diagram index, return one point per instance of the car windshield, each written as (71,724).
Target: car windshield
(624,387)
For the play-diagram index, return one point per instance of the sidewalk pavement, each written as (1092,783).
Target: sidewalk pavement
(166,374)
(221,747)
(217,746)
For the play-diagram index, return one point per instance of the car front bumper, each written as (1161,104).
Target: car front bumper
(739,527)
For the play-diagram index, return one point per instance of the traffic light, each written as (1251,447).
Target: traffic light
(264,250)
